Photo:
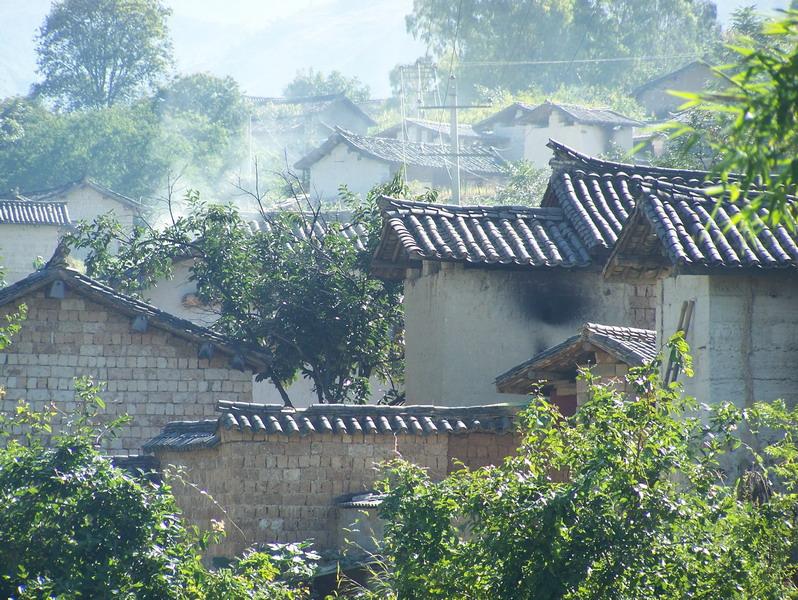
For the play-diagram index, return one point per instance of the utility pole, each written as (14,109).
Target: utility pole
(455,142)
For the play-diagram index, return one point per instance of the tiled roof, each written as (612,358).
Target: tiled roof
(27,212)
(627,344)
(696,64)
(526,113)
(351,419)
(464,130)
(254,358)
(346,419)
(304,226)
(680,227)
(507,235)
(474,159)
(597,195)
(311,105)
(361,500)
(61,190)
(180,436)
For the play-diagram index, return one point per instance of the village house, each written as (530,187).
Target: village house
(486,288)
(362,162)
(655,96)
(734,293)
(425,131)
(296,125)
(177,295)
(29,230)
(285,475)
(155,366)
(32,222)
(527,129)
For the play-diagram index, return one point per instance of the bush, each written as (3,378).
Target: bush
(644,512)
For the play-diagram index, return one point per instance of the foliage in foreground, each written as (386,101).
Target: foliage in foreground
(757,147)
(72,525)
(645,511)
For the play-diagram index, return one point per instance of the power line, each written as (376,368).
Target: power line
(499,63)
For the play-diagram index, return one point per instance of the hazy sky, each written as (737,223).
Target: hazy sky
(261,43)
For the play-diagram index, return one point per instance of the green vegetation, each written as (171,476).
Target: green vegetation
(759,124)
(306,299)
(563,30)
(633,497)
(315,83)
(95,54)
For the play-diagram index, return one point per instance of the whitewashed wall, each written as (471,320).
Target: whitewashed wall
(464,327)
(20,245)
(342,165)
(743,335)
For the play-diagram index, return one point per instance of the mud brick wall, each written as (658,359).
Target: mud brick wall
(154,377)
(279,488)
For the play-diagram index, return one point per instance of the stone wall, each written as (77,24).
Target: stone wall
(280,488)
(154,376)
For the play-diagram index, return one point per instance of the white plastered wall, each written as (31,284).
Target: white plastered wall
(20,245)
(341,166)
(743,335)
(466,326)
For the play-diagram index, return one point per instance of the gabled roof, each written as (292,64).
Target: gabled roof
(663,79)
(26,212)
(478,235)
(304,225)
(132,307)
(476,159)
(597,196)
(683,228)
(518,112)
(46,194)
(628,345)
(311,105)
(341,419)
(464,130)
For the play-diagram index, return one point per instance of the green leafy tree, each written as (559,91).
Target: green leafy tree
(562,30)
(758,144)
(624,500)
(97,53)
(316,83)
(304,297)
(117,146)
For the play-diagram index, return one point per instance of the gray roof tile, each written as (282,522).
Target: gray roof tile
(28,212)
(476,159)
(695,232)
(627,344)
(344,419)
(507,235)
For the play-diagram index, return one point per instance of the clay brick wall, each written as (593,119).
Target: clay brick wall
(643,306)
(608,370)
(155,376)
(279,488)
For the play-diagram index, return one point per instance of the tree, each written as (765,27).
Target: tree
(758,145)
(316,83)
(216,99)
(97,53)
(562,30)
(117,146)
(299,290)
(640,507)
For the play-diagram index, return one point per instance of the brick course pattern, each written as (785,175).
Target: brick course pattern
(283,488)
(154,377)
